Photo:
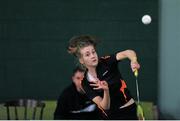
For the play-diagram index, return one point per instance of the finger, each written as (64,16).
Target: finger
(93,84)
(97,88)
(136,67)
(133,70)
(103,83)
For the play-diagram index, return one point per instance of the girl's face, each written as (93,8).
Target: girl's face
(89,56)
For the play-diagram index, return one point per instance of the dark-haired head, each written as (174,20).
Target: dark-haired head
(77,78)
(78,69)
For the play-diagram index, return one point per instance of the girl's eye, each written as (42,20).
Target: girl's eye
(87,54)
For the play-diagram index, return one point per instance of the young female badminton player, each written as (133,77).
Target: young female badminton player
(116,99)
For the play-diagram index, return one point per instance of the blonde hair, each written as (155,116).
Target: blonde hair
(78,42)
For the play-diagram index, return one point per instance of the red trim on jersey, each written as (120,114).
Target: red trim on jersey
(122,88)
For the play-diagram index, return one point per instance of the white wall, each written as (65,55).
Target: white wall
(169,62)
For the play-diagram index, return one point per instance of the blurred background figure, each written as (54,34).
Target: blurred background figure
(73,103)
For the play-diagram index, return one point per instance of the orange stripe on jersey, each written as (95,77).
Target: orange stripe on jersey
(124,86)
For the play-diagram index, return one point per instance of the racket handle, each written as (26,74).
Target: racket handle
(136,73)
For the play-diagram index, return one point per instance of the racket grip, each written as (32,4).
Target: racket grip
(136,73)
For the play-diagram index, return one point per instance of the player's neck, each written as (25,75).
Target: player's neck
(92,72)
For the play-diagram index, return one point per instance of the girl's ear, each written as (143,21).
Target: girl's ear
(81,61)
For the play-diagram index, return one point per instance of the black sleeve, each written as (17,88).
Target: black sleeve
(61,111)
(110,59)
(89,90)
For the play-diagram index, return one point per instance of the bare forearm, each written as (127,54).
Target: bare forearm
(102,102)
(105,102)
(130,54)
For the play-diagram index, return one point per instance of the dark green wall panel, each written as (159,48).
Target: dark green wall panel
(34,34)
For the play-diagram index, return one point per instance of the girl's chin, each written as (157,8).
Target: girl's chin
(94,64)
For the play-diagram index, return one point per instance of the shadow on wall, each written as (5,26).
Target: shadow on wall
(165,116)
(170,115)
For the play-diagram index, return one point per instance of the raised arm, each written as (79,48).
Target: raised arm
(131,55)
